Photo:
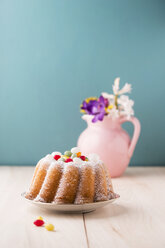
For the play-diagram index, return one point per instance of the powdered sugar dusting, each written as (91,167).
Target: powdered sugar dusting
(85,191)
(89,180)
(101,193)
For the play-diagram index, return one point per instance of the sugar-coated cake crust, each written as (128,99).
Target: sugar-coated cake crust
(51,183)
(85,190)
(101,193)
(39,176)
(70,183)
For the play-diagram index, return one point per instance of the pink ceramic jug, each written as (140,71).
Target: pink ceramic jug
(108,139)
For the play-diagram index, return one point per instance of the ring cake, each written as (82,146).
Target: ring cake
(70,179)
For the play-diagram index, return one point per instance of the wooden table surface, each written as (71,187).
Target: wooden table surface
(137,219)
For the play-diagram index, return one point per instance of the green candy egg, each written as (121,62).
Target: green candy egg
(68,153)
(74,155)
(61,159)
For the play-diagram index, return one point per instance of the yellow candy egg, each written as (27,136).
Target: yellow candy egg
(49,227)
(39,218)
(64,156)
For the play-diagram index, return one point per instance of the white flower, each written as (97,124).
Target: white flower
(108,96)
(127,112)
(115,87)
(125,101)
(126,88)
(121,104)
(125,106)
(114,113)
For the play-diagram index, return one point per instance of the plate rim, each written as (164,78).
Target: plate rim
(67,204)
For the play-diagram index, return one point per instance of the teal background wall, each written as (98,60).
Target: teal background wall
(53,54)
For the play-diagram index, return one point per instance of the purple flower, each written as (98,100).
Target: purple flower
(95,107)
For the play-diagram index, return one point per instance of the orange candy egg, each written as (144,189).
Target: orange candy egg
(79,154)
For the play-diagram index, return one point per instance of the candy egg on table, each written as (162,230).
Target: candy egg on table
(38,222)
(39,218)
(49,227)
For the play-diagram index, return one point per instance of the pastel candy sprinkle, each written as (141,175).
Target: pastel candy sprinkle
(68,153)
(49,227)
(75,150)
(38,222)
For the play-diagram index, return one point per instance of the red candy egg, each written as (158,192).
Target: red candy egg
(68,160)
(56,157)
(83,158)
(38,222)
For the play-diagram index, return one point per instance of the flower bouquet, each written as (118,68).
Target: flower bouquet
(113,105)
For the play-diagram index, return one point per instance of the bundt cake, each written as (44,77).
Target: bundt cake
(70,178)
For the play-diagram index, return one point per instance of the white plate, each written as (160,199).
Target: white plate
(70,208)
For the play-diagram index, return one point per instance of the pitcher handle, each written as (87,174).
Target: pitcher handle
(137,128)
